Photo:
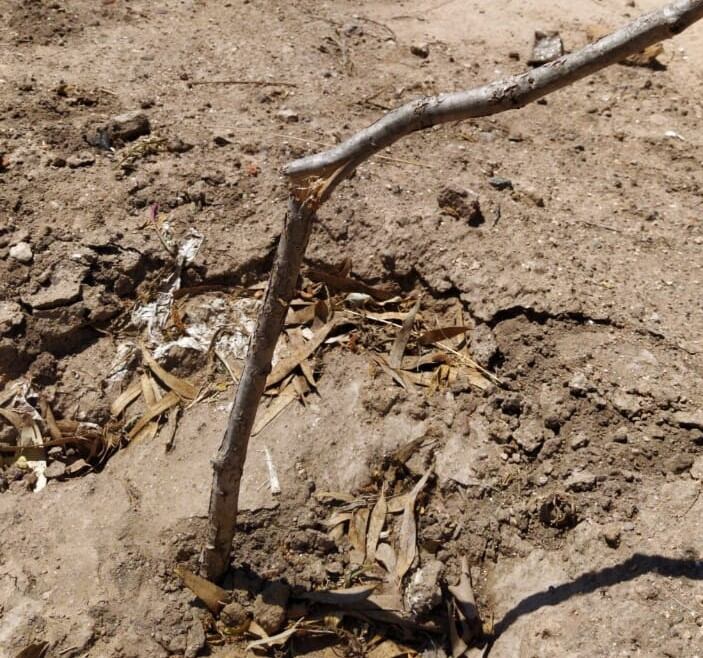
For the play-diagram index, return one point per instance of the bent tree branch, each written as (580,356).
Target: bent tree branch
(314,178)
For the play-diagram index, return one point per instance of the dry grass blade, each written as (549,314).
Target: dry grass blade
(184,388)
(468,617)
(340,597)
(345,284)
(441,333)
(301,353)
(275,640)
(279,403)
(166,402)
(171,426)
(395,375)
(50,420)
(386,556)
(376,522)
(395,359)
(407,537)
(209,593)
(358,527)
(125,398)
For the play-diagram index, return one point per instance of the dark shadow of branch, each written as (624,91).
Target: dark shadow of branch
(635,566)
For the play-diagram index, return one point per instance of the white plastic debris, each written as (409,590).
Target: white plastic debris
(273,476)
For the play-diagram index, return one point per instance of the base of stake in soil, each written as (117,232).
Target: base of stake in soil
(312,181)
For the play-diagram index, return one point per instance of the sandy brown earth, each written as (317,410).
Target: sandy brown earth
(573,487)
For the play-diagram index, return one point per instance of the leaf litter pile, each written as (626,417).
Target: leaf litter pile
(384,607)
(390,606)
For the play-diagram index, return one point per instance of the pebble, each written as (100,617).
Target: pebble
(611,535)
(82,159)
(620,435)
(10,316)
(270,607)
(581,480)
(697,469)
(689,420)
(500,183)
(421,50)
(22,252)
(578,441)
(578,384)
(530,436)
(679,463)
(289,116)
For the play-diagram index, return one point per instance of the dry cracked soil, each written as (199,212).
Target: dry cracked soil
(140,204)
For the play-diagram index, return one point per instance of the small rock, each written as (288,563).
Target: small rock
(620,435)
(578,441)
(685,419)
(697,469)
(627,404)
(177,145)
(82,159)
(547,47)
(499,431)
(530,436)
(483,344)
(611,535)
(64,288)
(455,202)
(21,252)
(220,140)
(195,639)
(55,470)
(421,50)
(119,130)
(235,615)
(679,463)
(581,480)
(270,607)
(551,446)
(10,316)
(423,593)
(500,183)
(578,384)
(289,116)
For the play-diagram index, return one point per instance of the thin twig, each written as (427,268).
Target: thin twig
(256,83)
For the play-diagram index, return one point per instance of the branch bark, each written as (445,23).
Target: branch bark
(511,93)
(313,180)
(229,463)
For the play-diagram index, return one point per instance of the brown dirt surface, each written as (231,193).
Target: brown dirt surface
(140,204)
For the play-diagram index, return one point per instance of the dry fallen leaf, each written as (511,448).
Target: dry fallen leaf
(386,556)
(125,398)
(341,597)
(209,593)
(376,522)
(357,530)
(275,640)
(395,358)
(301,353)
(345,284)
(441,333)
(279,403)
(166,402)
(407,536)
(184,388)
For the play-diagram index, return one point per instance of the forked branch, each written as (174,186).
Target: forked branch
(313,179)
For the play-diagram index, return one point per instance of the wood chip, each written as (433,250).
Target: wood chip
(209,593)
